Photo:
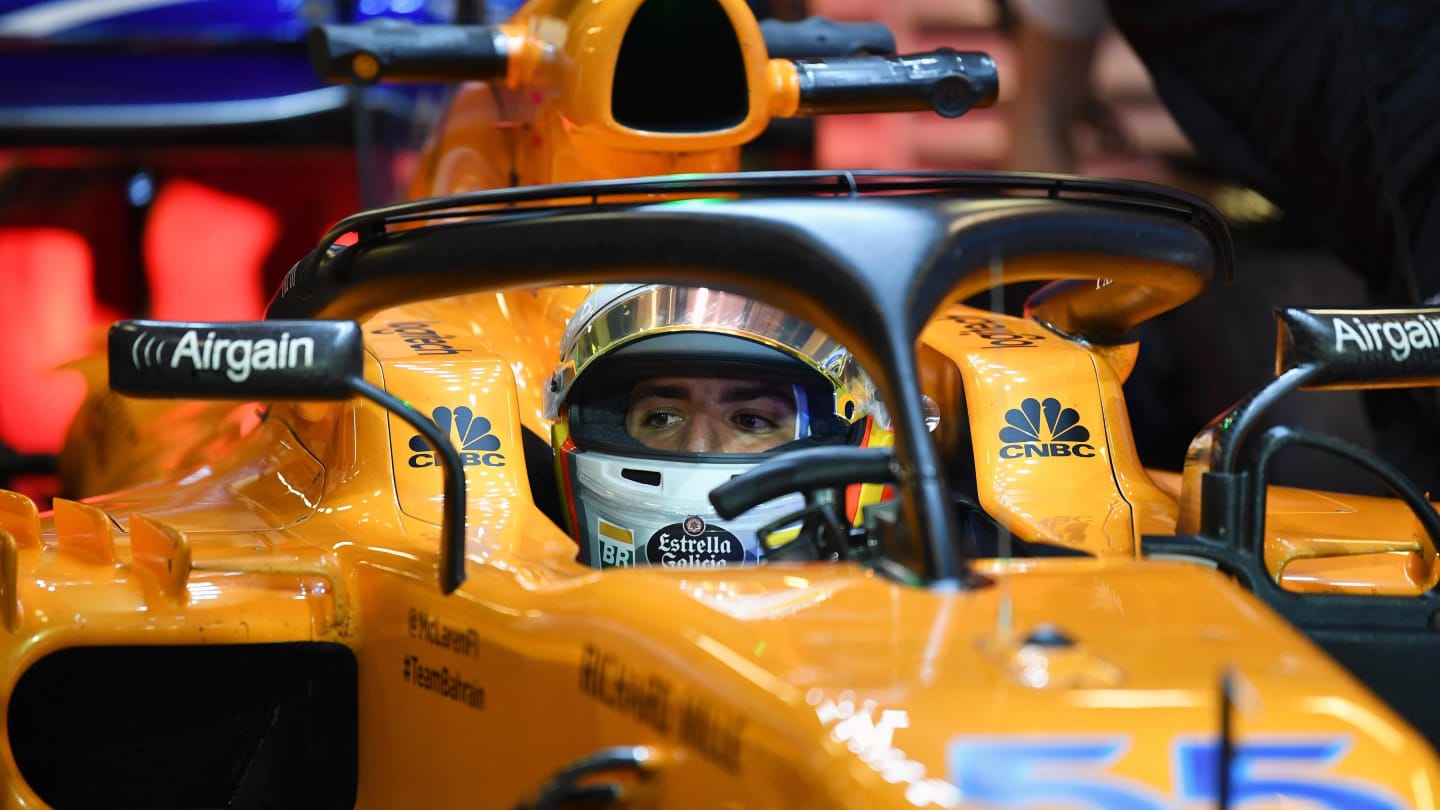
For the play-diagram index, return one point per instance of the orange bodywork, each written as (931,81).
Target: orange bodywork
(785,685)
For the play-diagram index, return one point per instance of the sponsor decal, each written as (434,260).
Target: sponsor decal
(1396,337)
(641,696)
(994,332)
(1360,348)
(292,277)
(693,544)
(421,337)
(235,357)
(430,629)
(1268,770)
(445,682)
(284,359)
(477,444)
(1039,429)
(711,730)
(617,544)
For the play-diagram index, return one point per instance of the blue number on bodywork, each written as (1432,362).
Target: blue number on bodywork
(1048,771)
(1017,772)
(1293,769)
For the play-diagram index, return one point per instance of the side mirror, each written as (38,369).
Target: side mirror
(1360,348)
(406,52)
(263,360)
(310,360)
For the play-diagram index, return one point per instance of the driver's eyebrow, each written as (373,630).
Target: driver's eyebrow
(746,393)
(647,390)
(738,393)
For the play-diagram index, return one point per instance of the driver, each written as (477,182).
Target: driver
(663,393)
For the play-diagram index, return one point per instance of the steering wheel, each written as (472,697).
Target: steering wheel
(821,474)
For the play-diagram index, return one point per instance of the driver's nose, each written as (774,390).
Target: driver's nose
(702,435)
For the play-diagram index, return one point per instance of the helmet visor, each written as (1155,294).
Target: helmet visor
(648,311)
(701,395)
(715,414)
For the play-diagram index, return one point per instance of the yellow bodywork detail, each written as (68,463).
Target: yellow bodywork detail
(9,606)
(84,531)
(162,554)
(19,515)
(1081,487)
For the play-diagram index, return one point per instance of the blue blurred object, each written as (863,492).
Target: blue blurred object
(498,11)
(188,70)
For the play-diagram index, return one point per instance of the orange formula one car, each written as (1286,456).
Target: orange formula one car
(371,594)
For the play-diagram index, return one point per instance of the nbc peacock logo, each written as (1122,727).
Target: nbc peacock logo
(1043,429)
(470,433)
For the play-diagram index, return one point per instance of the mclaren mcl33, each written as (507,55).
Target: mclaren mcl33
(363,590)
(368,597)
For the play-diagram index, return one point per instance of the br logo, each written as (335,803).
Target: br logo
(477,445)
(1044,430)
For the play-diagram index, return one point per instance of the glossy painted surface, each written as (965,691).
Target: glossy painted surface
(1339,542)
(795,685)
(788,685)
(550,120)
(1050,435)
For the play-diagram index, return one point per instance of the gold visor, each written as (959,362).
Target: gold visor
(616,315)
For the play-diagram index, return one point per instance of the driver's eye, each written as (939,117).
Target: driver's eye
(660,419)
(754,422)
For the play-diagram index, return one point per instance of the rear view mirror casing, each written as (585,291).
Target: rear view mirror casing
(252,360)
(1360,348)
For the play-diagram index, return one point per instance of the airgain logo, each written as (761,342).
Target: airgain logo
(1044,430)
(477,445)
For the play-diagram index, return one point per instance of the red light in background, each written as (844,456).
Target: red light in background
(205,252)
(46,311)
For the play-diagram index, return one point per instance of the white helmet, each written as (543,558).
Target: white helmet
(627,503)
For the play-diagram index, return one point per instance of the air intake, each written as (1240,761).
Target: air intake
(253,725)
(680,70)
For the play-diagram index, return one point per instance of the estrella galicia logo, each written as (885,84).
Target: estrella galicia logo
(1044,430)
(477,444)
(693,543)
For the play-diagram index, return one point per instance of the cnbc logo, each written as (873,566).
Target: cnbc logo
(1042,429)
(470,433)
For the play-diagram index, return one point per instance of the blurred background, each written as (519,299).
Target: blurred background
(173,158)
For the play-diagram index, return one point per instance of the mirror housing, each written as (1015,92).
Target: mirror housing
(296,359)
(1360,348)
(279,359)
